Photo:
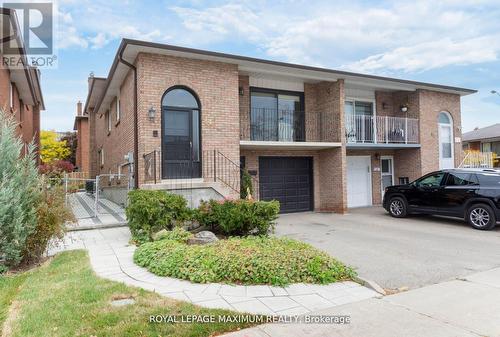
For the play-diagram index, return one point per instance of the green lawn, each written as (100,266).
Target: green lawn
(65,298)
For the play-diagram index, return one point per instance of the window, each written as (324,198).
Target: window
(11,95)
(432,180)
(485,147)
(118,112)
(443,118)
(101,157)
(459,179)
(489,179)
(108,121)
(276,115)
(358,108)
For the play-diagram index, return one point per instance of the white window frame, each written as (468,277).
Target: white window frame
(101,151)
(118,111)
(382,173)
(353,100)
(11,95)
(108,115)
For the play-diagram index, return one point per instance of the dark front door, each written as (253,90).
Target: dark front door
(180,149)
(288,180)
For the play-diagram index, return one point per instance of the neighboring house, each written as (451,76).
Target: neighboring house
(20,89)
(81,126)
(486,139)
(312,138)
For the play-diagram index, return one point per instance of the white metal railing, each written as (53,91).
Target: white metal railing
(475,159)
(381,129)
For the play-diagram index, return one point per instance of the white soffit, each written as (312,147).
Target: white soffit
(276,82)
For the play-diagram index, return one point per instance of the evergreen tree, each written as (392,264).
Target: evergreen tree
(19,193)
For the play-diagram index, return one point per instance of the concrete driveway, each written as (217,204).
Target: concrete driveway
(395,253)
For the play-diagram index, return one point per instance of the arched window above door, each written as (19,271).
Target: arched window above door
(444,118)
(180,98)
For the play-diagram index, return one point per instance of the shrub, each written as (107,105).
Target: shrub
(52,215)
(150,211)
(250,260)
(56,169)
(178,234)
(246,188)
(239,217)
(19,193)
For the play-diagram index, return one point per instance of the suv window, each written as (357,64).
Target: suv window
(489,179)
(459,179)
(432,180)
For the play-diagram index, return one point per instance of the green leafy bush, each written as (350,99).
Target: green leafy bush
(250,260)
(178,234)
(246,188)
(150,211)
(19,193)
(239,217)
(52,214)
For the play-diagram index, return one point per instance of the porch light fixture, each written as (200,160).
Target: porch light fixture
(403,108)
(384,105)
(152,114)
(240,90)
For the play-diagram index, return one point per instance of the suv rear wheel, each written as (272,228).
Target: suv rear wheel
(481,216)
(397,207)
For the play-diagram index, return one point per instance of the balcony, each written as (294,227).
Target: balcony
(290,129)
(381,131)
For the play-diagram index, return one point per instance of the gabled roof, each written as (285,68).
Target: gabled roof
(129,49)
(492,131)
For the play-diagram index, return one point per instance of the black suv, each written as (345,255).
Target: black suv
(471,194)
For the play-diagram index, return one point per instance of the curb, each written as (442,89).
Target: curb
(370,284)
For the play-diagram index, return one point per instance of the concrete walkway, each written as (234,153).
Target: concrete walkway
(83,205)
(112,257)
(469,307)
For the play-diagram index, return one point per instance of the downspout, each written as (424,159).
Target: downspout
(136,128)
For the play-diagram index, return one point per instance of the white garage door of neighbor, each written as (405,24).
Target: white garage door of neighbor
(359,182)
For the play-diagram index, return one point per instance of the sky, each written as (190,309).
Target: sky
(448,42)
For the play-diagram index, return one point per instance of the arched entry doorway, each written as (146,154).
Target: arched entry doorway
(445,131)
(181,131)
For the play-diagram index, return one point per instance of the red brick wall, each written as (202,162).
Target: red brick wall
(83,145)
(431,104)
(244,102)
(120,140)
(27,116)
(215,84)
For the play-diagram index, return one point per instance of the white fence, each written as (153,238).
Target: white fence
(381,129)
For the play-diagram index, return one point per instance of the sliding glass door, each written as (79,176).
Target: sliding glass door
(276,116)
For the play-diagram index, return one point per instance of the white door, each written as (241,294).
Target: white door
(445,132)
(386,172)
(359,182)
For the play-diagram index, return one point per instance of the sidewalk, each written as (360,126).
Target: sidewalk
(468,307)
(83,207)
(111,257)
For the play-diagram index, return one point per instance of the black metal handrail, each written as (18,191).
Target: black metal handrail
(216,167)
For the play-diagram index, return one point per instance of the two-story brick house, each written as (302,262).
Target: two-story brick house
(20,88)
(313,138)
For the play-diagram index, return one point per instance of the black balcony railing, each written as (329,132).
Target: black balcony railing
(277,125)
